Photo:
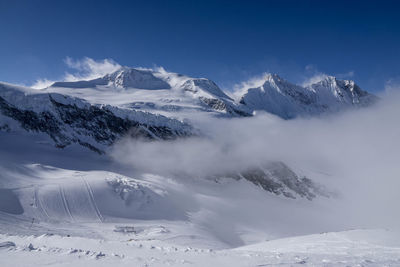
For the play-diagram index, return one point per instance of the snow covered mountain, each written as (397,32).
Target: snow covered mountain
(179,96)
(155,91)
(154,103)
(67,120)
(286,100)
(123,78)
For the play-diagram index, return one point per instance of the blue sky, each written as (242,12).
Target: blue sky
(226,41)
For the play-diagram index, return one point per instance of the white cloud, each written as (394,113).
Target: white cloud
(314,75)
(253,82)
(82,69)
(392,85)
(41,83)
(314,79)
(88,68)
(361,159)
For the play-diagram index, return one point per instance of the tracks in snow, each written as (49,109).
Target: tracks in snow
(38,203)
(92,201)
(65,203)
(70,200)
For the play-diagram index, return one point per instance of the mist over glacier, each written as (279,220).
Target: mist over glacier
(355,154)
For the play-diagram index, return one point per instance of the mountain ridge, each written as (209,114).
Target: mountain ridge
(276,95)
(288,101)
(163,107)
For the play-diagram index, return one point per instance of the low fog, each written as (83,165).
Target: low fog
(355,154)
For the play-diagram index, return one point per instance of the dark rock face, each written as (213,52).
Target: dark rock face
(219,105)
(90,126)
(279,179)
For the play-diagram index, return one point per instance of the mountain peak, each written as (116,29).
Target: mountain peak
(275,83)
(272,77)
(287,100)
(327,79)
(334,81)
(123,78)
(127,77)
(170,92)
(339,88)
(198,85)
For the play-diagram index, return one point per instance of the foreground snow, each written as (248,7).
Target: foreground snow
(148,247)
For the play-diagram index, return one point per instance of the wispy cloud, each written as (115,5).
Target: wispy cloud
(88,68)
(314,79)
(253,82)
(41,83)
(81,69)
(392,85)
(313,75)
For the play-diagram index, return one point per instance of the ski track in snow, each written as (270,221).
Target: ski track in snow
(65,203)
(39,204)
(92,201)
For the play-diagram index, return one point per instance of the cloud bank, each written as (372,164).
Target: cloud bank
(356,153)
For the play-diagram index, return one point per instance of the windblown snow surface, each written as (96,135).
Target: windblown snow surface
(175,203)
